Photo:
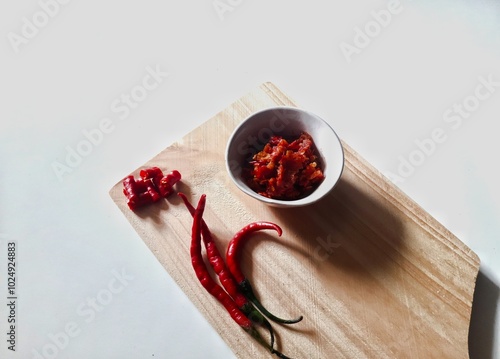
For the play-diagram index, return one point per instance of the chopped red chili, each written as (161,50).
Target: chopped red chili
(284,169)
(150,187)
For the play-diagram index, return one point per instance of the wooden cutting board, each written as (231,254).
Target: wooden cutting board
(374,275)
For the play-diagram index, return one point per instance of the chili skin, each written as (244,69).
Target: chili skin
(232,258)
(213,288)
(226,278)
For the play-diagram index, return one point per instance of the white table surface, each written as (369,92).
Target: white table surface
(427,74)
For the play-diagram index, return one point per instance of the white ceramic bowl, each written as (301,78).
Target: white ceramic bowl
(254,132)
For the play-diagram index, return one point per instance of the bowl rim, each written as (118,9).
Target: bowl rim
(309,199)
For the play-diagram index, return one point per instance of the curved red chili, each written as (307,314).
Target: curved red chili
(212,287)
(232,254)
(216,260)
(226,278)
(204,276)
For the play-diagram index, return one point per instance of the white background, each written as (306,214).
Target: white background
(61,78)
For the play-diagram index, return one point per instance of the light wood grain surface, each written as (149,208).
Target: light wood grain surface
(374,275)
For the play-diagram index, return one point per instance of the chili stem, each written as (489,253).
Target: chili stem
(247,290)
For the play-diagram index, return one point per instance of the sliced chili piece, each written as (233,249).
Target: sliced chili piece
(213,288)
(151,173)
(150,187)
(232,258)
(163,183)
(139,192)
(166,183)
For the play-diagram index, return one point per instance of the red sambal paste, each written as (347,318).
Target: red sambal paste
(285,170)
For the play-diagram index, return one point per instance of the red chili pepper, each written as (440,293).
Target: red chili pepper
(213,288)
(216,260)
(232,254)
(226,278)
